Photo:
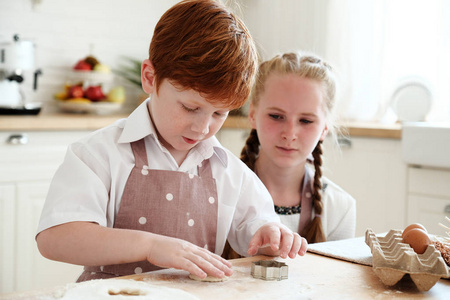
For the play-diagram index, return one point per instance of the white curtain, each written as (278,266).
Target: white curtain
(378,45)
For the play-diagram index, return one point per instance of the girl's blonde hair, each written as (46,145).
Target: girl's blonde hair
(307,66)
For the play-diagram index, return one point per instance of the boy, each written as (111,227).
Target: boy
(157,189)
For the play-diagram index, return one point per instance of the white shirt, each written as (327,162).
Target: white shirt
(339,212)
(89,184)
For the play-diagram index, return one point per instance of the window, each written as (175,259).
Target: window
(377,46)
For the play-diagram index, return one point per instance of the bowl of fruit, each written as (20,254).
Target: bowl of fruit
(89,89)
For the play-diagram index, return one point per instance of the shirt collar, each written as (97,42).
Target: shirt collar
(211,146)
(140,125)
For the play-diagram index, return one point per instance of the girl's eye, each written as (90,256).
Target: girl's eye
(275,117)
(188,109)
(305,121)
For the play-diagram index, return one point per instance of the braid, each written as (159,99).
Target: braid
(317,197)
(314,231)
(251,150)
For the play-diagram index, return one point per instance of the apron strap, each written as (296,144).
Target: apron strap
(204,169)
(306,200)
(139,152)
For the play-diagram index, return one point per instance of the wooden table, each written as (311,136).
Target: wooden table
(310,277)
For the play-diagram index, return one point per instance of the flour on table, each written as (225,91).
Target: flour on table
(208,278)
(122,289)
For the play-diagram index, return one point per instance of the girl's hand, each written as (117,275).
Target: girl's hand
(275,239)
(175,253)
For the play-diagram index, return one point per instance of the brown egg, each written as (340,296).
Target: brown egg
(418,239)
(412,226)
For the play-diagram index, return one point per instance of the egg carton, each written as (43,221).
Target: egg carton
(392,259)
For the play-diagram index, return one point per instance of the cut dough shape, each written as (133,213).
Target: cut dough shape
(208,278)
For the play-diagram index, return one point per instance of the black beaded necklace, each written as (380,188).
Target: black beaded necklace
(288,210)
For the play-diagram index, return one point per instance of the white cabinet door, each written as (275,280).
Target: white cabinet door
(429,198)
(33,270)
(36,159)
(26,169)
(372,171)
(429,211)
(7,238)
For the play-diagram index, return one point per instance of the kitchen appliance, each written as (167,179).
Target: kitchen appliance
(16,57)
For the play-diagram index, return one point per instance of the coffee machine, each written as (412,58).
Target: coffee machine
(16,58)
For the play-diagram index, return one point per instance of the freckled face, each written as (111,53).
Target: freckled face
(289,119)
(183,118)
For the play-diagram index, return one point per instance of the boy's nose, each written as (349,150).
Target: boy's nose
(201,125)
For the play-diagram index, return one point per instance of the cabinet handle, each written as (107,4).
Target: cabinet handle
(17,139)
(447,209)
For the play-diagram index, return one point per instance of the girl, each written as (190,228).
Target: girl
(291,112)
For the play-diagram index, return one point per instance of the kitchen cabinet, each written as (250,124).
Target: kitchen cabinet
(426,147)
(373,172)
(429,197)
(7,220)
(27,163)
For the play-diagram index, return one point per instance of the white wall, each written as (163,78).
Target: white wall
(64,31)
(286,25)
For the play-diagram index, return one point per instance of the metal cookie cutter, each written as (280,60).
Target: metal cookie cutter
(269,270)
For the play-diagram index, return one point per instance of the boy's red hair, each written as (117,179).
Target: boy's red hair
(200,45)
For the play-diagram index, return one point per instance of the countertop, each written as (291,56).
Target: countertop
(310,277)
(66,121)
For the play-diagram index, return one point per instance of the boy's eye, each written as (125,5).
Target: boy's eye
(221,114)
(188,109)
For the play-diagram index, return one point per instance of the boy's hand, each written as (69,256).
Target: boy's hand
(280,241)
(175,253)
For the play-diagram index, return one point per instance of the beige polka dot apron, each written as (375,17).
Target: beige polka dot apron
(169,203)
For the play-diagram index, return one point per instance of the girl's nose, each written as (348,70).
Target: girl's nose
(201,125)
(289,131)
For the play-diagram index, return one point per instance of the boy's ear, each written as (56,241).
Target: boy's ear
(148,76)
(251,115)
